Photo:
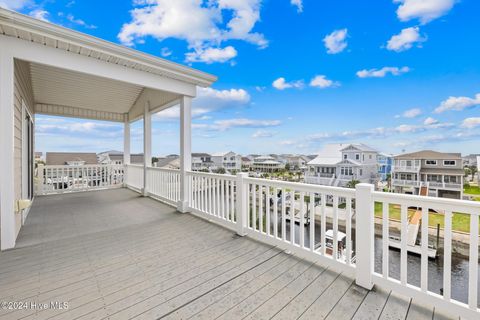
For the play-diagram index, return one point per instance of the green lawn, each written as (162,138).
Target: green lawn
(471,190)
(460,221)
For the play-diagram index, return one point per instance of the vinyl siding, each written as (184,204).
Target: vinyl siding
(22,91)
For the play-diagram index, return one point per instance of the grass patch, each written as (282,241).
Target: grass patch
(460,221)
(471,190)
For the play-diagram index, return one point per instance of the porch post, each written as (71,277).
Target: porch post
(7,192)
(364,234)
(126,141)
(185,150)
(147,144)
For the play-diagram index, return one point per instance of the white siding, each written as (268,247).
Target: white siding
(22,91)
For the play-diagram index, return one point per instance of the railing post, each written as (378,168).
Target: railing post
(241,205)
(40,179)
(364,234)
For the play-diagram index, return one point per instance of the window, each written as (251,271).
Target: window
(357,157)
(361,172)
(431,162)
(449,162)
(345,156)
(370,157)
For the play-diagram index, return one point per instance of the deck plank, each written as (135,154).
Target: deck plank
(372,306)
(396,307)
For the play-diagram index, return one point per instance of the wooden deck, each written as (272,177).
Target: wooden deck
(115,255)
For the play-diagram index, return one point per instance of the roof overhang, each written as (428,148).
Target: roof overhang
(27,28)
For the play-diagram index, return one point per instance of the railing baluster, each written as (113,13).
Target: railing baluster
(323,226)
(302,220)
(424,256)
(284,218)
(254,206)
(335,228)
(312,222)
(349,230)
(267,209)
(260,208)
(275,213)
(232,200)
(292,217)
(473,263)
(447,256)
(403,245)
(385,238)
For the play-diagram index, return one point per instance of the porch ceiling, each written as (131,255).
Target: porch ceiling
(59,87)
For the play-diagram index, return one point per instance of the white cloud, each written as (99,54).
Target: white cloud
(260,88)
(380,73)
(210,55)
(411,113)
(208,100)
(223,125)
(406,39)
(80,22)
(40,14)
(166,52)
(321,81)
(471,123)
(430,121)
(298,4)
(282,84)
(458,103)
(424,10)
(263,134)
(200,23)
(287,142)
(336,42)
(14,4)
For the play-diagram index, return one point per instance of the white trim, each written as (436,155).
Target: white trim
(7,192)
(24,168)
(34,52)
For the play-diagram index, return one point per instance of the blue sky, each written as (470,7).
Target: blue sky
(293,75)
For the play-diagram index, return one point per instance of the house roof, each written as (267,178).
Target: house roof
(429,155)
(200,154)
(164,162)
(330,155)
(27,28)
(360,146)
(134,158)
(61,158)
(221,154)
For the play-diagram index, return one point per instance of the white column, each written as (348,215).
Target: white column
(126,141)
(185,150)
(364,237)
(7,192)
(147,144)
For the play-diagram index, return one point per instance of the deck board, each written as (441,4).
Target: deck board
(116,255)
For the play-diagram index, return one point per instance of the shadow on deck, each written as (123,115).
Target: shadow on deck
(114,254)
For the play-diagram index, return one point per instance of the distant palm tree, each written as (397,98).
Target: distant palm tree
(473,170)
(352,184)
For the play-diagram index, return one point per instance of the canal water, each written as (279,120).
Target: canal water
(460,265)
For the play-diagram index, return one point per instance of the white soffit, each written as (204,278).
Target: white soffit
(54,86)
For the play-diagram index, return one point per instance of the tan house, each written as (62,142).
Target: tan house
(70,158)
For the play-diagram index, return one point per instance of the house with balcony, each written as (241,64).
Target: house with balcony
(124,241)
(384,163)
(428,172)
(297,162)
(338,164)
(267,164)
(201,161)
(227,160)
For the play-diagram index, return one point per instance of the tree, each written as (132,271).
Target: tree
(221,171)
(467,171)
(352,184)
(473,170)
(287,167)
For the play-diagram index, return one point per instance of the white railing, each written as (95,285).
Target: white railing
(410,183)
(412,168)
(420,291)
(163,184)
(134,175)
(60,179)
(214,197)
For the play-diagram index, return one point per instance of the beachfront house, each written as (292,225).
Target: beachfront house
(427,172)
(227,160)
(201,161)
(267,164)
(338,164)
(384,163)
